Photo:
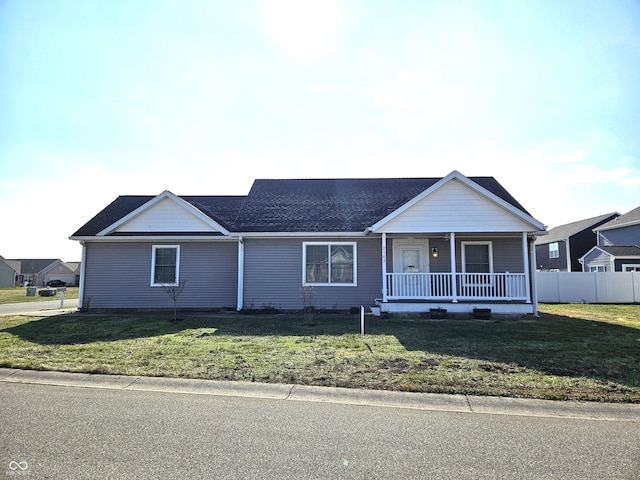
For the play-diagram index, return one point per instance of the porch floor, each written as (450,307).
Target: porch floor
(461,307)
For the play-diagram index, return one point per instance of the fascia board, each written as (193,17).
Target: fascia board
(155,238)
(469,183)
(166,194)
(619,225)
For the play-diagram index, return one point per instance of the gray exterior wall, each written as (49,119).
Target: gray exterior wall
(273,275)
(625,236)
(7,276)
(118,275)
(597,258)
(507,254)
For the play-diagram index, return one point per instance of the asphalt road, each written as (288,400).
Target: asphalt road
(43,307)
(105,429)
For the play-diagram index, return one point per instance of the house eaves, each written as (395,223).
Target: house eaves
(626,220)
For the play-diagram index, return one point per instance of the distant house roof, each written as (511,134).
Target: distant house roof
(32,265)
(564,231)
(627,251)
(300,205)
(627,219)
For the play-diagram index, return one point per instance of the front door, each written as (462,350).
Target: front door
(410,258)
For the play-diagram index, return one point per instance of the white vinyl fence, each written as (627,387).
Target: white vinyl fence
(589,287)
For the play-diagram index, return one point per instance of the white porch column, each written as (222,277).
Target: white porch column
(525,260)
(83,263)
(240,304)
(567,248)
(384,267)
(454,282)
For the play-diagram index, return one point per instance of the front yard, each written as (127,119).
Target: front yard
(572,352)
(19,295)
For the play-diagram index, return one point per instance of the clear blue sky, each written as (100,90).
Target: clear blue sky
(105,98)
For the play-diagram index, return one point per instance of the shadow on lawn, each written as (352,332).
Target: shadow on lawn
(552,344)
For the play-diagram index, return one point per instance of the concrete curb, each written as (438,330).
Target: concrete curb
(305,393)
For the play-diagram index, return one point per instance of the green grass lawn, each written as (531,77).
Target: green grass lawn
(577,352)
(19,295)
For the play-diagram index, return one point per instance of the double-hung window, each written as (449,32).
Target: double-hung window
(554,250)
(333,263)
(165,265)
(477,263)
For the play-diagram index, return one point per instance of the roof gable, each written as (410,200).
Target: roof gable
(163,213)
(457,203)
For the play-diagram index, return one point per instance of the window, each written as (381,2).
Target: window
(477,257)
(165,265)
(329,263)
(554,251)
(597,268)
(631,268)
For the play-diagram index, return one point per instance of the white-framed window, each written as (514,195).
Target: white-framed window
(477,257)
(329,263)
(597,268)
(631,267)
(165,265)
(554,250)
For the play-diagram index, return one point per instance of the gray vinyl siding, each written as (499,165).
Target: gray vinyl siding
(507,254)
(118,275)
(597,258)
(622,236)
(273,275)
(7,276)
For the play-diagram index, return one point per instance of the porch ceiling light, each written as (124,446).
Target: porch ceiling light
(434,252)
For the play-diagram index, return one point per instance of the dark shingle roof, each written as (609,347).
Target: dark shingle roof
(563,231)
(300,205)
(624,251)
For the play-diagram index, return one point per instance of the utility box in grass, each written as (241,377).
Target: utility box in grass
(31,291)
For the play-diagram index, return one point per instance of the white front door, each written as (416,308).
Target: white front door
(410,257)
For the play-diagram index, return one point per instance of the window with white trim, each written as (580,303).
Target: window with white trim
(477,257)
(597,268)
(329,263)
(630,268)
(165,265)
(554,250)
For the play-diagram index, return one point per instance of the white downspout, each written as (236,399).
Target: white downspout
(384,267)
(240,304)
(534,286)
(83,262)
(567,248)
(527,269)
(454,281)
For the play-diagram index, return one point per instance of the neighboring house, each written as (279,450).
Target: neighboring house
(618,247)
(7,274)
(612,259)
(399,244)
(65,271)
(562,248)
(31,270)
(38,271)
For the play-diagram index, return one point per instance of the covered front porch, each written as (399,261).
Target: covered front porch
(457,272)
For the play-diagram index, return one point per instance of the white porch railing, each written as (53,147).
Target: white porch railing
(468,286)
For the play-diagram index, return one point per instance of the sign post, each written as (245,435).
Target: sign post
(62,290)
